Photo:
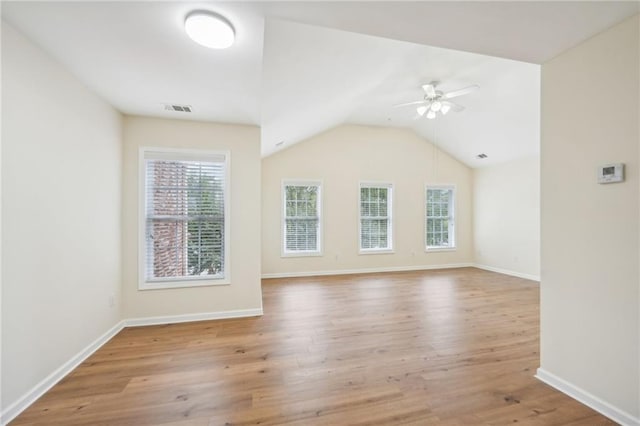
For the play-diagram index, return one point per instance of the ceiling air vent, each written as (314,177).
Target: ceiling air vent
(179,108)
(481,156)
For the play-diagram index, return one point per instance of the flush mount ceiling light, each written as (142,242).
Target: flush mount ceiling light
(209,29)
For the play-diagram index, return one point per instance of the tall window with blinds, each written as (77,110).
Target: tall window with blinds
(376,218)
(185,218)
(440,218)
(302,218)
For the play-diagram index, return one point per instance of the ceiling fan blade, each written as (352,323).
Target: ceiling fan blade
(409,103)
(448,105)
(460,92)
(429,89)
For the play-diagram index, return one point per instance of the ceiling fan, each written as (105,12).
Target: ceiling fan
(435,101)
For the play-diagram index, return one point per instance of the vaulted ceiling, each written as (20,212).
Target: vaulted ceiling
(298,69)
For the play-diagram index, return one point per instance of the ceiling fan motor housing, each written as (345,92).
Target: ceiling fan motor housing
(436,97)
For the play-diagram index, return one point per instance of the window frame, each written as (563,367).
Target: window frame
(179,154)
(390,224)
(283,218)
(452,218)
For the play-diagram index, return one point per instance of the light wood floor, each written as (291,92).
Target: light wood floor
(450,347)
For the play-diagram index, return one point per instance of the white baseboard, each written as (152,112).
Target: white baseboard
(172,319)
(364,270)
(37,391)
(12,411)
(507,272)
(588,399)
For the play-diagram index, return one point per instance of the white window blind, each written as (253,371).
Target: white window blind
(440,218)
(185,216)
(375,217)
(301,218)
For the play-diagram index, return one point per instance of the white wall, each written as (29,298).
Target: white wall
(506,217)
(244,292)
(61,168)
(341,158)
(1,405)
(590,232)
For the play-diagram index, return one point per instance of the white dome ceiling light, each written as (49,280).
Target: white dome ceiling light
(209,29)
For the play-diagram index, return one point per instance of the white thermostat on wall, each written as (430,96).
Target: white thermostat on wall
(611,173)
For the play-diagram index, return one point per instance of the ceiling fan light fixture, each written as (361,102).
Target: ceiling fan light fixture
(209,29)
(436,101)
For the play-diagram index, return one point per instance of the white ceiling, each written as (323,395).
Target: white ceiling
(298,69)
(356,78)
(530,31)
(137,56)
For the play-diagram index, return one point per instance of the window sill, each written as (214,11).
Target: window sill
(377,251)
(437,249)
(189,283)
(302,254)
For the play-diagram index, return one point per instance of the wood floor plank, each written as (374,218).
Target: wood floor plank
(445,347)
